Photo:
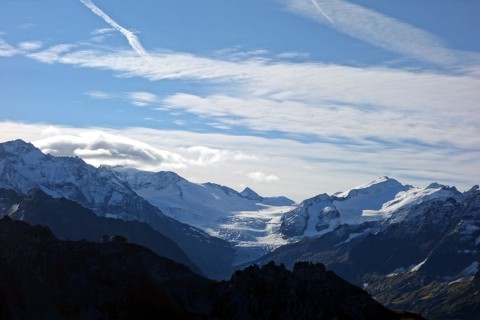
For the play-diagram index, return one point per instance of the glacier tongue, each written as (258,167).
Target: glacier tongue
(248,221)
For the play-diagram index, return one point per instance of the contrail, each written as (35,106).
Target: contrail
(131,37)
(314,2)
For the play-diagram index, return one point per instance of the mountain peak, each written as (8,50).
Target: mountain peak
(18,147)
(372,186)
(250,194)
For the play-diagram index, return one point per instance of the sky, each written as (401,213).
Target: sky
(288,97)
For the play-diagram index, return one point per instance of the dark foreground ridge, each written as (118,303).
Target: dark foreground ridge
(45,278)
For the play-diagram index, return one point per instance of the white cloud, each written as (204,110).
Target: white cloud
(204,156)
(50,131)
(378,29)
(7,50)
(141,98)
(99,147)
(52,54)
(30,45)
(330,121)
(259,176)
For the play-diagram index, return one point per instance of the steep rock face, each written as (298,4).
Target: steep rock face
(44,278)
(332,248)
(70,221)
(310,218)
(24,167)
(437,300)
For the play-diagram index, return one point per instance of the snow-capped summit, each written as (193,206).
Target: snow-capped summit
(375,186)
(408,203)
(320,214)
(361,202)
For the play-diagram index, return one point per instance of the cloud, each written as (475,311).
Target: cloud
(99,95)
(339,123)
(204,156)
(30,45)
(377,29)
(50,131)
(7,50)
(141,98)
(102,31)
(259,176)
(130,36)
(98,147)
(52,54)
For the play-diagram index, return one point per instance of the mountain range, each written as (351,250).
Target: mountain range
(411,248)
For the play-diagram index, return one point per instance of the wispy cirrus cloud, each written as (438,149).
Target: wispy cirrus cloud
(379,30)
(304,98)
(136,98)
(25,47)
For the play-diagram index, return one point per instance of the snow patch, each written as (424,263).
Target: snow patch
(418,266)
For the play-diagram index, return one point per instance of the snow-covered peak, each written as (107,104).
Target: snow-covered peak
(362,203)
(250,194)
(17,147)
(375,186)
(21,151)
(139,179)
(24,167)
(418,195)
(321,213)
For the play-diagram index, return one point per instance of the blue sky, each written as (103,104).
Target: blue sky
(291,97)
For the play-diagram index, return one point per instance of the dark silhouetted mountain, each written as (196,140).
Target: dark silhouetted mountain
(45,278)
(70,221)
